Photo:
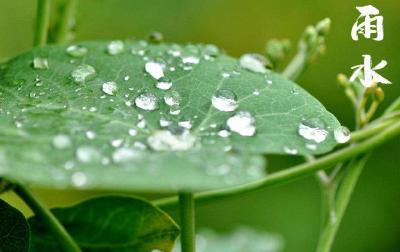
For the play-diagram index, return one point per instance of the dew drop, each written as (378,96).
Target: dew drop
(132,132)
(175,110)
(146,101)
(174,53)
(342,134)
(139,145)
(165,140)
(253,62)
(61,142)
(164,83)
(86,154)
(110,87)
(155,69)
(313,130)
(83,73)
(219,170)
(124,154)
(90,134)
(76,51)
(69,165)
(79,179)
(116,142)
(294,91)
(164,122)
(311,146)
(225,75)
(187,124)
(224,100)
(211,50)
(40,63)
(115,47)
(172,98)
(288,150)
(141,124)
(224,133)
(190,60)
(18,124)
(242,123)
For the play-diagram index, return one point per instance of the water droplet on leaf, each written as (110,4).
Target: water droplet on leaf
(224,133)
(224,100)
(40,63)
(155,69)
(165,140)
(313,129)
(342,134)
(132,132)
(61,142)
(164,83)
(109,87)
(116,142)
(146,101)
(190,60)
(291,151)
(123,155)
(242,123)
(172,98)
(253,62)
(79,179)
(86,154)
(83,73)
(76,51)
(115,47)
(90,134)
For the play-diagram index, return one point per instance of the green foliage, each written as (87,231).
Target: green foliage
(14,229)
(112,224)
(46,109)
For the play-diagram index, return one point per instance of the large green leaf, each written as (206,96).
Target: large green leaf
(242,239)
(14,229)
(110,224)
(58,128)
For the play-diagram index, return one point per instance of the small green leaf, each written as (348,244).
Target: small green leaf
(110,224)
(242,239)
(133,116)
(14,229)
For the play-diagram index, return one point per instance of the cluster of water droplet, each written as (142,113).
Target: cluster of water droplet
(175,131)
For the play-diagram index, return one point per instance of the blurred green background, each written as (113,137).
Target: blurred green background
(372,222)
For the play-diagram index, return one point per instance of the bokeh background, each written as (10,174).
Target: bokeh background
(372,222)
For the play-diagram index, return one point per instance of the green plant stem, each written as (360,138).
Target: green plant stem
(342,200)
(295,172)
(393,107)
(42,22)
(187,218)
(296,67)
(63,30)
(370,130)
(328,187)
(49,220)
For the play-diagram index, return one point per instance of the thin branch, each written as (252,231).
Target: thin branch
(65,22)
(65,241)
(295,172)
(42,22)
(342,200)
